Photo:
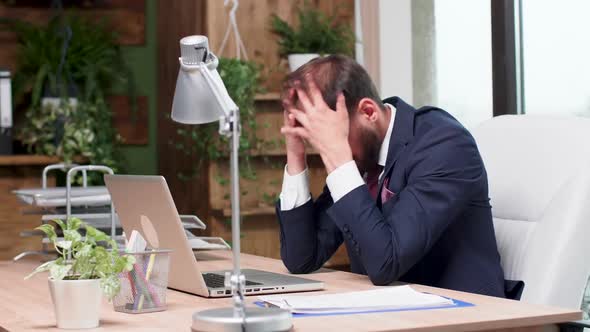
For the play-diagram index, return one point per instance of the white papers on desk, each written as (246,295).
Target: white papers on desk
(61,191)
(387,298)
(98,200)
(205,242)
(56,197)
(200,244)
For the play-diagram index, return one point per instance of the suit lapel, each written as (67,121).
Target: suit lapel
(401,135)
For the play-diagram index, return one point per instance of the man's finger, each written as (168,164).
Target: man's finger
(287,99)
(314,92)
(341,103)
(300,116)
(289,119)
(297,131)
(304,99)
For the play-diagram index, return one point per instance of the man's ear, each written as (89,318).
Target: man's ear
(368,109)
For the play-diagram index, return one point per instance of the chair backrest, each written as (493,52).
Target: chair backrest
(539,178)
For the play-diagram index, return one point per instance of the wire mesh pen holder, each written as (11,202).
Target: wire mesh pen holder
(143,289)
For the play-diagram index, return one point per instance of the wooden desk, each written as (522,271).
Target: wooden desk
(26,306)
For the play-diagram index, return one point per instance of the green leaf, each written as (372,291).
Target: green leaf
(72,236)
(110,285)
(129,261)
(95,235)
(74,223)
(61,224)
(84,250)
(49,231)
(64,244)
(41,268)
(58,271)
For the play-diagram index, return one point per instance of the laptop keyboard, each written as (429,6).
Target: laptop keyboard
(213,280)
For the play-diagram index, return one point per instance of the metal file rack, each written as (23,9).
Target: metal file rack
(92,204)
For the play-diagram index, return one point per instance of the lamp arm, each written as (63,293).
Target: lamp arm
(216,90)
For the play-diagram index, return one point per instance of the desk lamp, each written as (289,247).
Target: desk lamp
(200,97)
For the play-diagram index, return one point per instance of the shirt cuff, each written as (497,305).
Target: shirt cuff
(295,192)
(343,180)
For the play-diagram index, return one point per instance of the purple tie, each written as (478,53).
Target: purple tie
(373,181)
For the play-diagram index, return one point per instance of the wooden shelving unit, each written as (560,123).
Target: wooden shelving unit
(260,227)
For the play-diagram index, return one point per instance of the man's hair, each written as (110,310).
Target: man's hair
(334,74)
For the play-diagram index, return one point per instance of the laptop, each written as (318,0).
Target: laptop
(144,204)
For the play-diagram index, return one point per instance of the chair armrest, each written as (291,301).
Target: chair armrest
(576,326)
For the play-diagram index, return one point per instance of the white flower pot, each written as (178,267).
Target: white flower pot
(298,60)
(76,303)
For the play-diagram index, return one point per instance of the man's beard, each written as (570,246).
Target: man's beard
(371,144)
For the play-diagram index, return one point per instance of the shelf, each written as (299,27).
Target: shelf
(249,212)
(34,160)
(279,153)
(269,96)
(26,160)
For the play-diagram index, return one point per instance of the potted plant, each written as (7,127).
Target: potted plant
(83,270)
(317,34)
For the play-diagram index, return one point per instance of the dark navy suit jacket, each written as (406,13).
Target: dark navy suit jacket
(436,230)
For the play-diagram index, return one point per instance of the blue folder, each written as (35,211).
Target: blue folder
(456,304)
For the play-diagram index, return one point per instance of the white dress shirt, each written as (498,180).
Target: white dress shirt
(341,181)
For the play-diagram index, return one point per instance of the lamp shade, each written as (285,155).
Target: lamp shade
(200,96)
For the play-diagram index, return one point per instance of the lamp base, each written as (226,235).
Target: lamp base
(257,319)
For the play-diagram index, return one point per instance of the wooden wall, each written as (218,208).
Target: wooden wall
(203,195)
(177,19)
(253,17)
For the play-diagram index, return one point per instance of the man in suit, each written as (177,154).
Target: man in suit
(406,189)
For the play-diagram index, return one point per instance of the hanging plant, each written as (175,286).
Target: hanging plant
(242,80)
(85,131)
(69,57)
(315,33)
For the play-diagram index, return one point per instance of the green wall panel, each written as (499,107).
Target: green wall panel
(142,159)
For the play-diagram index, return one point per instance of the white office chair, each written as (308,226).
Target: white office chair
(539,178)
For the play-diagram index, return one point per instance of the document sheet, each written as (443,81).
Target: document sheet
(386,298)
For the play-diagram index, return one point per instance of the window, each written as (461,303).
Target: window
(479,58)
(463,47)
(556,57)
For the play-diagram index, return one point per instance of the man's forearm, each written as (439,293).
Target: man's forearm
(295,162)
(295,191)
(308,236)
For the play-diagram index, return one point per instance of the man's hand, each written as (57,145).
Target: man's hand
(294,144)
(325,129)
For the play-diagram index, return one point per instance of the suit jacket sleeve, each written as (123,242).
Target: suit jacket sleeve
(443,172)
(308,236)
